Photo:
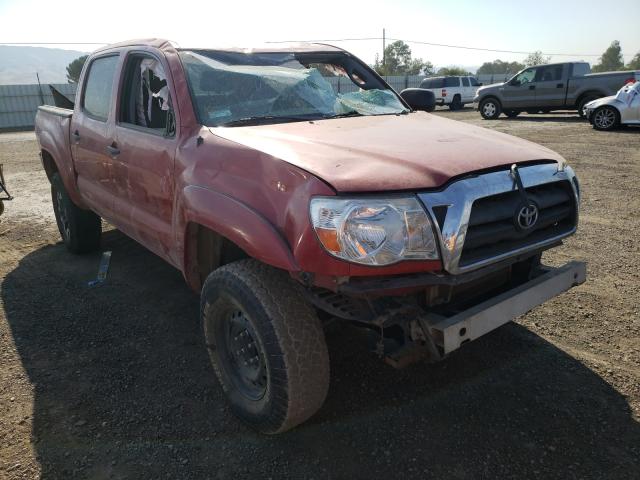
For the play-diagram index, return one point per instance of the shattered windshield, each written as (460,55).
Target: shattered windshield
(235,88)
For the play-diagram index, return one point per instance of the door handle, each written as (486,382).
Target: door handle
(560,85)
(532,87)
(76,136)
(113,150)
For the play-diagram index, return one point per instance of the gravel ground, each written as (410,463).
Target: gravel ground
(114,382)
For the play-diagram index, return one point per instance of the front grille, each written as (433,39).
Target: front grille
(492,227)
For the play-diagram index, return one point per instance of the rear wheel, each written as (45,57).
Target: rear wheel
(490,108)
(80,229)
(266,345)
(606,118)
(456,103)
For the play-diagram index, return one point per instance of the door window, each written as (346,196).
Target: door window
(551,73)
(145,100)
(465,81)
(524,77)
(474,82)
(98,87)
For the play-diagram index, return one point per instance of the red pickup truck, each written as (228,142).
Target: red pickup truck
(288,204)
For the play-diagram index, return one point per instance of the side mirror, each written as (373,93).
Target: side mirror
(419,99)
(480,84)
(515,83)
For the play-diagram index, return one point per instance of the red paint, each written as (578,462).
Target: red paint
(253,184)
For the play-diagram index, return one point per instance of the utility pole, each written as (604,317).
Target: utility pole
(384,46)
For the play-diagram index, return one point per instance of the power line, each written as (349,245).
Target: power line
(54,43)
(464,47)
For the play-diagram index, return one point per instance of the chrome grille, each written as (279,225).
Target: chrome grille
(474,216)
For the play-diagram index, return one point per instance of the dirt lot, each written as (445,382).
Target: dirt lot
(114,382)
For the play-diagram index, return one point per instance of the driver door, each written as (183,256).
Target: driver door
(520,91)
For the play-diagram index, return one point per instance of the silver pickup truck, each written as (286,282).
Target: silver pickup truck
(543,88)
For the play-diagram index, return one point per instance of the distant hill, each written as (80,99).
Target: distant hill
(18,65)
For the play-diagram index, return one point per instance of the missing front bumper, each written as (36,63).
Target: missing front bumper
(449,333)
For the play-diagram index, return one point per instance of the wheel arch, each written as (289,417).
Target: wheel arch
(219,229)
(589,93)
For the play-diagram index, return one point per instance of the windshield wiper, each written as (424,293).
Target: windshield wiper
(265,119)
(353,113)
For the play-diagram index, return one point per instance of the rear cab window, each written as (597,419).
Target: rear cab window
(98,87)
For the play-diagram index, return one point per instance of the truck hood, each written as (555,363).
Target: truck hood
(487,88)
(387,152)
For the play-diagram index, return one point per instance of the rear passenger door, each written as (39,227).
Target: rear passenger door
(550,85)
(467,95)
(145,133)
(92,135)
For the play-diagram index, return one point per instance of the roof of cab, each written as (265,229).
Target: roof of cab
(163,44)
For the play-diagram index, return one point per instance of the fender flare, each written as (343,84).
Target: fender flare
(235,221)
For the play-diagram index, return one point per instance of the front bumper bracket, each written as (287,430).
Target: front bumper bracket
(449,333)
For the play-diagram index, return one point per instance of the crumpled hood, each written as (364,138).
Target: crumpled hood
(387,152)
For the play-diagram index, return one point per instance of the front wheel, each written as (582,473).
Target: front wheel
(490,108)
(606,118)
(266,345)
(80,229)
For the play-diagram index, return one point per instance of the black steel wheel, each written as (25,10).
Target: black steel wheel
(266,345)
(80,229)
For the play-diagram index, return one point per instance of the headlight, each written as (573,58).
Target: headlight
(374,231)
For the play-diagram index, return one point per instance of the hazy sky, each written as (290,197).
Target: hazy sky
(553,26)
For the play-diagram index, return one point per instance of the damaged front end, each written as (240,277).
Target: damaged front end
(4,193)
(428,316)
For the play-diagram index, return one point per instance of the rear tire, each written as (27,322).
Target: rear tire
(606,118)
(490,108)
(266,345)
(80,229)
(456,103)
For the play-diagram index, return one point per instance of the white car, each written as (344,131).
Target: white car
(623,108)
(452,91)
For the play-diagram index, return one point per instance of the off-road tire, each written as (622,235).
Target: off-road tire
(487,113)
(456,103)
(289,333)
(80,229)
(605,118)
(512,113)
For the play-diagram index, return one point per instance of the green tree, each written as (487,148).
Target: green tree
(634,64)
(452,71)
(398,61)
(75,68)
(500,67)
(611,59)
(536,58)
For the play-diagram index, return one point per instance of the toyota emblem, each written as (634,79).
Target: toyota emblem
(527,216)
